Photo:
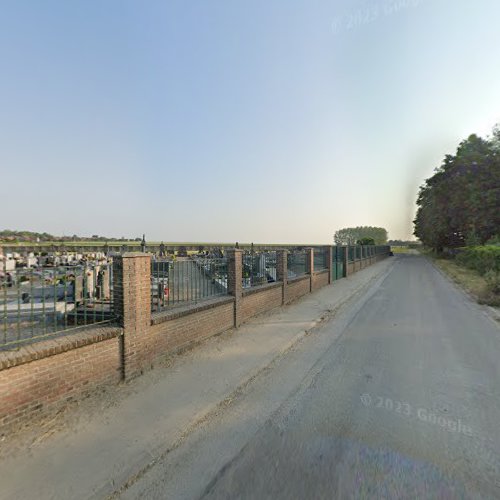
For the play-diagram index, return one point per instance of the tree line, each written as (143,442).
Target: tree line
(9,235)
(361,235)
(460,204)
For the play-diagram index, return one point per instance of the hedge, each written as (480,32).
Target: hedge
(480,258)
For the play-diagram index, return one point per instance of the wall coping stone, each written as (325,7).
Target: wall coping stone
(135,254)
(169,315)
(323,271)
(298,278)
(52,346)
(261,288)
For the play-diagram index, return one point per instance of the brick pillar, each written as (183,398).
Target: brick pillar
(345,259)
(132,303)
(234,281)
(282,272)
(329,264)
(310,266)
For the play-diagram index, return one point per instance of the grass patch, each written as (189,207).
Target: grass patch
(469,279)
(399,249)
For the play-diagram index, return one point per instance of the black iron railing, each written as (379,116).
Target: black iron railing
(259,268)
(36,303)
(186,281)
(297,263)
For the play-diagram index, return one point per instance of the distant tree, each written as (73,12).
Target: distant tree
(350,235)
(345,236)
(366,241)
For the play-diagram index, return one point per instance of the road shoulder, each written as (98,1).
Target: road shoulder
(472,291)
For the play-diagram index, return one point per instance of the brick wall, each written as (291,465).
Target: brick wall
(297,288)
(261,299)
(37,379)
(320,279)
(174,330)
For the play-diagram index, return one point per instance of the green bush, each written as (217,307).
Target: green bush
(492,279)
(480,258)
(494,240)
(365,241)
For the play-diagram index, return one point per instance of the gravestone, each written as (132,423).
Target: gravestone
(78,289)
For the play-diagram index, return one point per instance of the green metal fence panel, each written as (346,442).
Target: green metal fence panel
(338,262)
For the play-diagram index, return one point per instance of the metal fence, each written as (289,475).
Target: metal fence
(297,263)
(363,251)
(338,262)
(39,303)
(182,282)
(259,268)
(320,259)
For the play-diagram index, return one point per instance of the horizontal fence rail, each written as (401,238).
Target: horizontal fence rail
(183,282)
(44,302)
(259,268)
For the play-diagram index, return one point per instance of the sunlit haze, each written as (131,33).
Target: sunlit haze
(258,121)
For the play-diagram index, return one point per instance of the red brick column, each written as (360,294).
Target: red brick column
(345,259)
(132,303)
(234,281)
(282,271)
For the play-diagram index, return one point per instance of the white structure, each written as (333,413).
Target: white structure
(9,264)
(31,261)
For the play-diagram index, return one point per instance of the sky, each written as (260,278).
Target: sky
(220,120)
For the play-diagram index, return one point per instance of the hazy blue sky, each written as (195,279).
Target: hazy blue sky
(211,120)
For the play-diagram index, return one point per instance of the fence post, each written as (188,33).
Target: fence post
(132,303)
(234,280)
(345,259)
(329,265)
(310,266)
(282,272)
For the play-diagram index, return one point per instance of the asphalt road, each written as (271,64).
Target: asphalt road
(397,396)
